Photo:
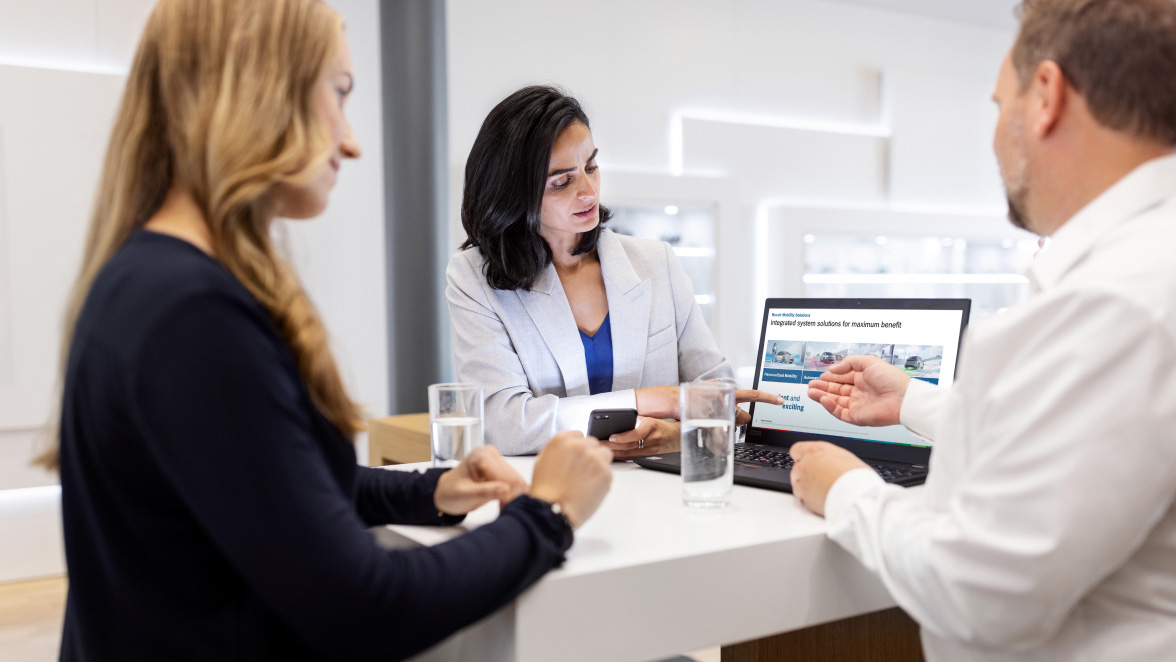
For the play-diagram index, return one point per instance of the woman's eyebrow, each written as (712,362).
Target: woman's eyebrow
(553,173)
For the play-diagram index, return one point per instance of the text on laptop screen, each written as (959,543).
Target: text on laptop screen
(800,344)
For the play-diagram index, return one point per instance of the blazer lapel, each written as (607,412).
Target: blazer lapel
(628,309)
(548,306)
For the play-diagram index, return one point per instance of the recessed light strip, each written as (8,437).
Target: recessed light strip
(22,498)
(818,125)
(62,65)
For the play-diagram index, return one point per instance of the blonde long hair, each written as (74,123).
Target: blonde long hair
(219,101)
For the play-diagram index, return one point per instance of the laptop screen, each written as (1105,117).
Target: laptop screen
(802,339)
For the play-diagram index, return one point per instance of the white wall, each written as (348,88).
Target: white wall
(996,13)
(51,156)
(796,102)
(340,255)
(61,69)
(634,62)
(90,35)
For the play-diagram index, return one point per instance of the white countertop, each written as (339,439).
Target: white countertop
(648,577)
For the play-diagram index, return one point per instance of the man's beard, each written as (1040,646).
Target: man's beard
(1017,207)
(1017,188)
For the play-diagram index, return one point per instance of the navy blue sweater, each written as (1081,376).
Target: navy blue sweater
(211,512)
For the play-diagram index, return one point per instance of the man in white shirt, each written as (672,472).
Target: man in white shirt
(1047,527)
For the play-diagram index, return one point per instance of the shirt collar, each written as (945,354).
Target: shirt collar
(1141,189)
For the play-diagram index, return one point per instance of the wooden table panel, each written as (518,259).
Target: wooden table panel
(883,636)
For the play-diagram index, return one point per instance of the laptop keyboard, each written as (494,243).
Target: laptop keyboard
(782,460)
(778,459)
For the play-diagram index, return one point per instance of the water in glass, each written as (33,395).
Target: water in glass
(707,467)
(454,437)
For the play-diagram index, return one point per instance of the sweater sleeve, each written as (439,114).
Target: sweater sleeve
(216,398)
(399,497)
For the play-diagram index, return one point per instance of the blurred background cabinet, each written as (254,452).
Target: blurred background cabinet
(398,440)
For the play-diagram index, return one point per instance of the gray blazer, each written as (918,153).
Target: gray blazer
(524,348)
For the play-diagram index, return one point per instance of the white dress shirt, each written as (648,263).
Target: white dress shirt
(1046,529)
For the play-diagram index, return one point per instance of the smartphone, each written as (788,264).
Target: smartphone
(604,423)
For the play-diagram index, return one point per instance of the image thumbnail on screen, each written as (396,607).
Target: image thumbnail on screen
(919,361)
(784,354)
(820,356)
(813,358)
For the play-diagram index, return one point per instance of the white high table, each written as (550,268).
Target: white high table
(649,578)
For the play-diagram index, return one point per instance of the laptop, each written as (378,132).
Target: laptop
(802,338)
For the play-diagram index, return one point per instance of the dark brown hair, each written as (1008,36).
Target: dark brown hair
(1120,55)
(505,177)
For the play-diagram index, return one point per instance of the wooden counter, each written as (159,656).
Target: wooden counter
(398,440)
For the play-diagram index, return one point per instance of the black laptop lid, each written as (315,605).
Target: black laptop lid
(802,338)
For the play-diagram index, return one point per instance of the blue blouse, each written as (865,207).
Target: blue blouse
(598,356)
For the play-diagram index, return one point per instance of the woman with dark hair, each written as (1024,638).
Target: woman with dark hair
(555,315)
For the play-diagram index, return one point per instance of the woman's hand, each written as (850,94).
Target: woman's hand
(573,471)
(650,437)
(657,401)
(748,395)
(483,476)
(662,402)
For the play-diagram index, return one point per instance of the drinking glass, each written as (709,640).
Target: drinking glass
(456,421)
(708,438)
(741,430)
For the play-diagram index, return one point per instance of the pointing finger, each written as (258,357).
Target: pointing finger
(748,395)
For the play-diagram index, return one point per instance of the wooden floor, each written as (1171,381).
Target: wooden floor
(31,614)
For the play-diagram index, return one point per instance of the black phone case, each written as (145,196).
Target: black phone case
(604,423)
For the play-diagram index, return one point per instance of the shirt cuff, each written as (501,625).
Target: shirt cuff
(920,409)
(851,486)
(626,399)
(555,527)
(575,417)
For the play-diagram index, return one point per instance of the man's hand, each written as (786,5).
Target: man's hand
(862,390)
(573,471)
(481,477)
(816,466)
(659,437)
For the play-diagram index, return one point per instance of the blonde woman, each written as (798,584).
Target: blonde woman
(212,505)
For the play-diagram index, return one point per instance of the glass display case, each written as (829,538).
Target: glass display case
(986,270)
(888,251)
